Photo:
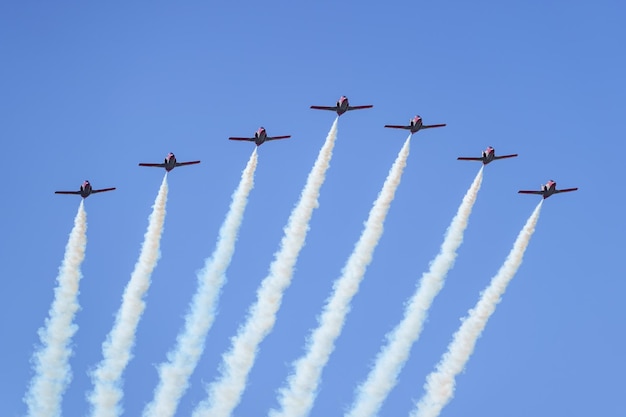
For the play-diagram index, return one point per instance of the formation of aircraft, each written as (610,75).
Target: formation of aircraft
(169,163)
(489,155)
(415,124)
(343,105)
(85,190)
(260,136)
(547,190)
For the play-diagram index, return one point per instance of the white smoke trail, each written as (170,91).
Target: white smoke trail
(51,361)
(440,383)
(225,394)
(116,350)
(390,360)
(190,343)
(296,399)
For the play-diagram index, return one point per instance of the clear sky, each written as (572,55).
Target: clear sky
(88,91)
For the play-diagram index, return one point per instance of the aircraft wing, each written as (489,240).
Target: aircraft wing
(369,106)
(468,158)
(248,139)
(277,137)
(566,190)
(431,126)
(334,108)
(68,192)
(398,127)
(504,156)
(182,164)
(102,190)
(152,165)
(530,192)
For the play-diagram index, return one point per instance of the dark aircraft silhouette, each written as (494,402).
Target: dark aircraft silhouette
(260,136)
(415,124)
(85,190)
(489,155)
(342,106)
(169,163)
(547,190)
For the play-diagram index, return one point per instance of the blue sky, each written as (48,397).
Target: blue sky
(89,91)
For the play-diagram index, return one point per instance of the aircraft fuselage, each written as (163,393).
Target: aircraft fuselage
(85,189)
(260,136)
(415,124)
(488,156)
(548,189)
(342,105)
(170,162)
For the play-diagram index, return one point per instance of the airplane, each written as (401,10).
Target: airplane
(342,106)
(489,155)
(169,163)
(547,190)
(260,136)
(85,190)
(415,124)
